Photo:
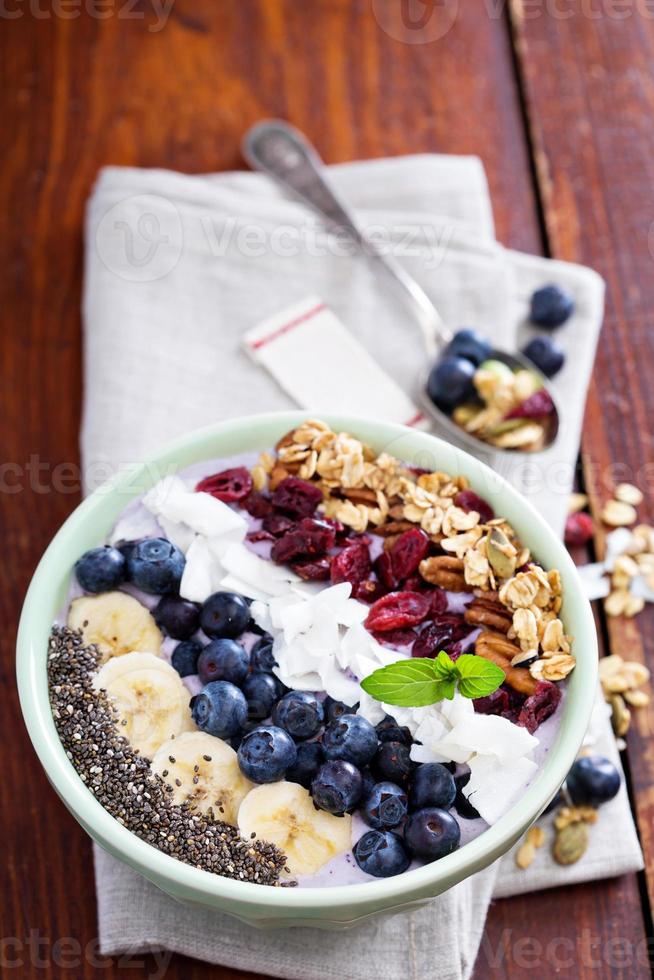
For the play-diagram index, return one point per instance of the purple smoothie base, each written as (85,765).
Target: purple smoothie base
(343,869)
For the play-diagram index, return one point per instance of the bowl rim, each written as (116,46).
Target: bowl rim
(476,854)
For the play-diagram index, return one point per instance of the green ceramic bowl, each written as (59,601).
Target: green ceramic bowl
(256,904)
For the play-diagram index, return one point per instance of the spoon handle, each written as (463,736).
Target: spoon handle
(284,153)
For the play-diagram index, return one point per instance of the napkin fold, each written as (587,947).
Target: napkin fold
(178,268)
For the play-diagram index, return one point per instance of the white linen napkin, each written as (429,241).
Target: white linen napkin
(178,268)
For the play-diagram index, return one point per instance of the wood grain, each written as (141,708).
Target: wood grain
(596,174)
(82,93)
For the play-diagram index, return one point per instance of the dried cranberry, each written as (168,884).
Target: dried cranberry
(468,500)
(352,564)
(578,529)
(340,530)
(537,406)
(496,703)
(278,524)
(408,551)
(256,504)
(397,610)
(438,599)
(368,591)
(432,640)
(297,498)
(261,535)
(539,706)
(396,638)
(455,650)
(312,571)
(441,634)
(306,539)
(229,486)
(415,583)
(384,570)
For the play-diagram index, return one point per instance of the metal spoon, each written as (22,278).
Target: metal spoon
(283,152)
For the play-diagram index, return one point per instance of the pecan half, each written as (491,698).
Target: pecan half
(392,527)
(496,648)
(446,571)
(361,496)
(490,613)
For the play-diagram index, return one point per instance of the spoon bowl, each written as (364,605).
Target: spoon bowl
(516,362)
(284,153)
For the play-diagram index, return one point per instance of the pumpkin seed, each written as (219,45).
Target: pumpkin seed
(501,553)
(570,843)
(620,715)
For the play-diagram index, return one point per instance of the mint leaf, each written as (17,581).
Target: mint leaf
(408,684)
(444,667)
(477,677)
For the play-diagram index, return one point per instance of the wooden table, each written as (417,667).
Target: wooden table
(556,98)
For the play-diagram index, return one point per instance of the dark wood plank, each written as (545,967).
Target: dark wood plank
(82,93)
(591,127)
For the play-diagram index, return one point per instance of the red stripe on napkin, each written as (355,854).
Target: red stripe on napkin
(261,341)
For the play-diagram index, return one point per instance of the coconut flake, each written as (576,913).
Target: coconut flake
(593,578)
(200,577)
(495,784)
(172,500)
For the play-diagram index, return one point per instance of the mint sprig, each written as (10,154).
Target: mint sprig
(422,681)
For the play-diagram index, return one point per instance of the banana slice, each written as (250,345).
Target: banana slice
(116,621)
(207,771)
(283,813)
(151,700)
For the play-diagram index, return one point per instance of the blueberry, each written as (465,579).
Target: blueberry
(388,730)
(462,805)
(392,762)
(155,565)
(260,692)
(381,853)
(224,614)
(431,833)
(551,306)
(352,738)
(385,807)
(336,787)
(308,762)
(592,781)
(223,660)
(262,660)
(266,753)
(299,713)
(469,344)
(177,617)
(432,785)
(185,657)
(220,709)
(335,709)
(546,354)
(101,569)
(450,383)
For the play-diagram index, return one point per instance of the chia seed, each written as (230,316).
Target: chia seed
(123,782)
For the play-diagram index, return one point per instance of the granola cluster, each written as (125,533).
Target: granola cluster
(498,419)
(517,602)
